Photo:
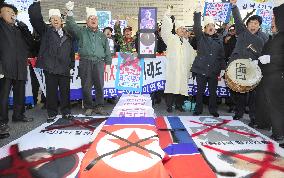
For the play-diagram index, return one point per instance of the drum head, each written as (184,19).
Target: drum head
(243,75)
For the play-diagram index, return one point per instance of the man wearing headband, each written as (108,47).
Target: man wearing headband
(209,62)
(56,57)
(94,54)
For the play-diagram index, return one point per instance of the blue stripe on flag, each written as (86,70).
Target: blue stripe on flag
(181,149)
(182,135)
(130,120)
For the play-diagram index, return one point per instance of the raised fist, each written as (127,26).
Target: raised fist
(197,6)
(69,5)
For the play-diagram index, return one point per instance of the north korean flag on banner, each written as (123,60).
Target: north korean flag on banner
(126,149)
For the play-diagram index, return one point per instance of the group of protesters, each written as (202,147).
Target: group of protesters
(202,53)
(216,50)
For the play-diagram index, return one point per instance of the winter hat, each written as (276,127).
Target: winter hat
(207,20)
(91,12)
(54,12)
(279,17)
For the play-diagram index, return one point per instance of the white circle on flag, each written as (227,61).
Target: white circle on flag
(128,160)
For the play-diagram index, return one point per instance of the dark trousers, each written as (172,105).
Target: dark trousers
(201,86)
(53,81)
(92,74)
(229,101)
(174,98)
(240,100)
(273,92)
(157,96)
(18,99)
(35,84)
(262,112)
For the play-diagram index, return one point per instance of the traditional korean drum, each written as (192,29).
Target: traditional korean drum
(242,75)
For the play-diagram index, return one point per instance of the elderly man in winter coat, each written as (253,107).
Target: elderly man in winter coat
(249,45)
(180,56)
(209,62)
(272,84)
(56,57)
(15,39)
(94,54)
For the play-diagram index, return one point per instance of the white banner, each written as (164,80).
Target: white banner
(154,80)
(254,4)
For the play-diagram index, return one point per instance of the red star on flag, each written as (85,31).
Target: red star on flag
(132,138)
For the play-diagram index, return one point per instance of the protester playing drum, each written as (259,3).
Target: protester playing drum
(249,45)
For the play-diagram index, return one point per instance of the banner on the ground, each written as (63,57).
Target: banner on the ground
(133,106)
(60,145)
(133,151)
(233,148)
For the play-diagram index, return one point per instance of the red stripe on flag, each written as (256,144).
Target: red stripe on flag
(164,136)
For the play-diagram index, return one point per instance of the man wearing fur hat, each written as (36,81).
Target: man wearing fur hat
(272,85)
(56,57)
(249,45)
(15,42)
(209,62)
(94,54)
(180,56)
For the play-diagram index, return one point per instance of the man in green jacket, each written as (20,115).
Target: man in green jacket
(94,54)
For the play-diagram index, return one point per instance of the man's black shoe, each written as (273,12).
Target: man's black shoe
(4,131)
(50,119)
(68,116)
(24,119)
(5,135)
